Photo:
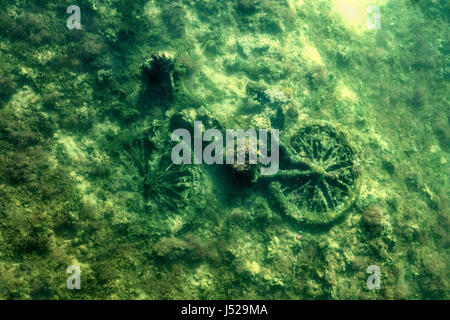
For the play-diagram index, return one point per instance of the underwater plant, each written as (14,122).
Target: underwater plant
(159,70)
(319,177)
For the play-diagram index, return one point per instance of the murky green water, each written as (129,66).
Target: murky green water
(90,197)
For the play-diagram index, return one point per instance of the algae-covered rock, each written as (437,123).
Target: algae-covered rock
(267,96)
(372,218)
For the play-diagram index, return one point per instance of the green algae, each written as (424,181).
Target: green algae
(85,175)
